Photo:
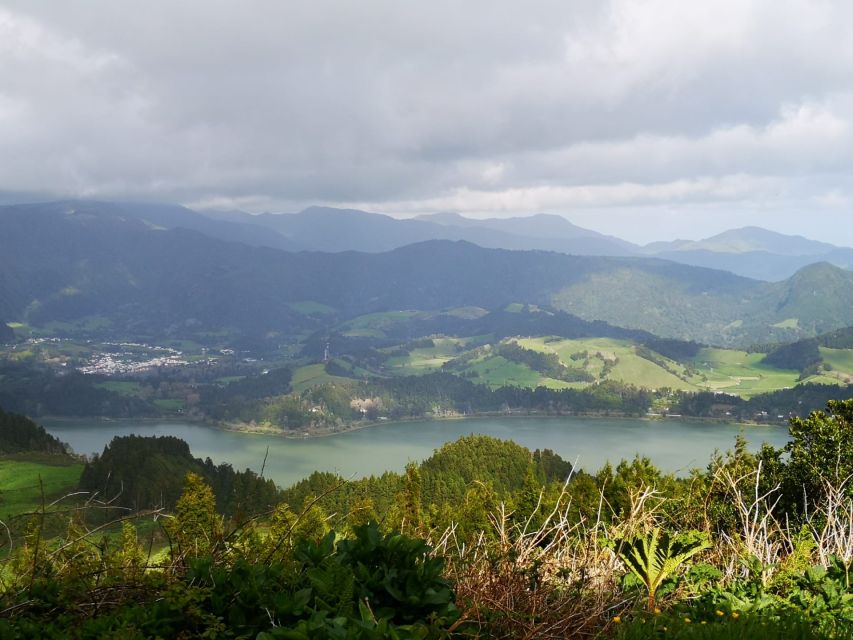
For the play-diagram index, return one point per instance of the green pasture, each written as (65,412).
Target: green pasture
(87,324)
(629,368)
(67,348)
(427,359)
(788,323)
(633,369)
(170,404)
(373,325)
(468,312)
(125,388)
(23,482)
(730,370)
(313,375)
(841,361)
(741,373)
(826,378)
(497,371)
(311,308)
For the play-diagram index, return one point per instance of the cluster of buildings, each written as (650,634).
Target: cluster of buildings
(132,357)
(110,364)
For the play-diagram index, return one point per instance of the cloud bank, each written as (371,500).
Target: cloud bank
(646,119)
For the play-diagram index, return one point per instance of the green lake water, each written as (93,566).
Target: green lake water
(674,445)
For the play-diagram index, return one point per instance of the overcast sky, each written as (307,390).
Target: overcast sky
(648,120)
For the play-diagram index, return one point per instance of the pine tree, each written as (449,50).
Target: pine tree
(196,528)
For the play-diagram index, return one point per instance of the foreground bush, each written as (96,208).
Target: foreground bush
(368,586)
(726,628)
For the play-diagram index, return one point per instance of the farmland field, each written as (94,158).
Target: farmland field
(374,324)
(841,363)
(426,359)
(23,481)
(741,373)
(732,371)
(313,375)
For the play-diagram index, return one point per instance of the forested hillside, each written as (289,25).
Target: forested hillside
(19,434)
(148,473)
(100,273)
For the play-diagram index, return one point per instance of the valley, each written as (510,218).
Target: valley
(127,311)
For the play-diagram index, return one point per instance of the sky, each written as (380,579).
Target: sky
(648,120)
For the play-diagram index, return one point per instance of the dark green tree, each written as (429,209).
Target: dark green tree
(196,528)
(821,450)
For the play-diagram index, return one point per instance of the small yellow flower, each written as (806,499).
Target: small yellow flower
(617,619)
(657,611)
(704,622)
(719,613)
(687,620)
(735,615)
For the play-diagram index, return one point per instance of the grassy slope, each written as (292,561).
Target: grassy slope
(426,359)
(22,480)
(310,307)
(717,369)
(497,371)
(374,324)
(741,373)
(313,375)
(629,367)
(727,370)
(494,371)
(841,361)
(125,388)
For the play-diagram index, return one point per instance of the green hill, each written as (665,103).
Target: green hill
(19,434)
(148,472)
(35,468)
(714,310)
(586,362)
(828,358)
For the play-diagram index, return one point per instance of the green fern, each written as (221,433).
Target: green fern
(654,558)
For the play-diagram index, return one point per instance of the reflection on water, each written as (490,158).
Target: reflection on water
(673,445)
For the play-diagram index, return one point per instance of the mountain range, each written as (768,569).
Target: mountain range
(328,229)
(750,251)
(121,269)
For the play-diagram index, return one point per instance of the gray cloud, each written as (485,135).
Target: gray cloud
(624,115)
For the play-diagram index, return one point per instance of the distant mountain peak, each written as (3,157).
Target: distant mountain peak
(317,210)
(747,239)
(537,225)
(444,217)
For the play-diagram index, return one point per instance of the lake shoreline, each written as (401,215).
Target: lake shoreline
(675,445)
(242,427)
(250,429)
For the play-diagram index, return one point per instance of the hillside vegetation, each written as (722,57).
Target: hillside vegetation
(485,539)
(97,272)
(557,363)
(19,434)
